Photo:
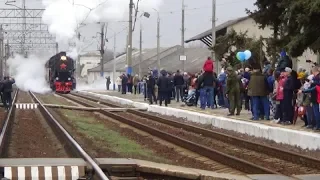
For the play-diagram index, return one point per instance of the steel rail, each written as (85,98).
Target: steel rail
(262,148)
(6,124)
(231,161)
(76,145)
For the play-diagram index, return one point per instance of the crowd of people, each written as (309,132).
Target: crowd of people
(280,94)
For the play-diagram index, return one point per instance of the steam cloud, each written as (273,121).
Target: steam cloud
(63,17)
(29,73)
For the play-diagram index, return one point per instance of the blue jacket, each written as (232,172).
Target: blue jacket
(223,79)
(270,81)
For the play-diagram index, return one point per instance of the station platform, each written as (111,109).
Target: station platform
(66,168)
(294,135)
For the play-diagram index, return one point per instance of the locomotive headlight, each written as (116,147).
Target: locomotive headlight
(69,79)
(57,78)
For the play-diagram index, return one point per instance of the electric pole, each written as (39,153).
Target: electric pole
(24,27)
(78,72)
(102,49)
(140,51)
(1,51)
(114,61)
(214,34)
(57,48)
(182,35)
(6,57)
(129,45)
(158,42)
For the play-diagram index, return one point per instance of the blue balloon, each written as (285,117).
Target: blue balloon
(242,56)
(247,54)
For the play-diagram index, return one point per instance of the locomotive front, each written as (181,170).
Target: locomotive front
(63,81)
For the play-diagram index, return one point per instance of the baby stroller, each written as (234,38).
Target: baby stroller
(190,99)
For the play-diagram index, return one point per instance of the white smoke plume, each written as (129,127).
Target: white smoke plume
(29,73)
(64,16)
(99,84)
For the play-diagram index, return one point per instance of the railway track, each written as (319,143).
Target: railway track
(245,156)
(13,128)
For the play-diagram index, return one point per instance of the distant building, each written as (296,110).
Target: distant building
(244,24)
(88,61)
(169,60)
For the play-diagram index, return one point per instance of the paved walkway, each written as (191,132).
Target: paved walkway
(245,115)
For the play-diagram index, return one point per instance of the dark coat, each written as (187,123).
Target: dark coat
(7,85)
(164,84)
(151,82)
(258,85)
(178,80)
(284,62)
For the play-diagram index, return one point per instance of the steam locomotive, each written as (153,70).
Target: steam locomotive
(61,73)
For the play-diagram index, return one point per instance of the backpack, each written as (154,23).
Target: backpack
(208,66)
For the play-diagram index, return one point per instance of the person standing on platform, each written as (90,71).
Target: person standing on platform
(135,83)
(171,92)
(151,82)
(124,82)
(178,84)
(119,83)
(108,82)
(233,92)
(163,88)
(206,81)
(258,90)
(7,90)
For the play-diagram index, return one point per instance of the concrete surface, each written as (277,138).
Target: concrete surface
(279,134)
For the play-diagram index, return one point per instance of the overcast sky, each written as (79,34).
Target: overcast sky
(197,20)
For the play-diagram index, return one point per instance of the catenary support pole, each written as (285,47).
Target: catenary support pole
(182,34)
(114,61)
(102,49)
(140,51)
(129,51)
(1,51)
(158,42)
(214,35)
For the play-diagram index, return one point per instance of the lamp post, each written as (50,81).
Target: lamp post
(147,15)
(158,40)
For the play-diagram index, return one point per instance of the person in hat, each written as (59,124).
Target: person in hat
(287,103)
(233,92)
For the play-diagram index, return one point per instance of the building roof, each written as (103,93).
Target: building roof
(206,37)
(169,58)
(90,54)
(194,62)
(122,60)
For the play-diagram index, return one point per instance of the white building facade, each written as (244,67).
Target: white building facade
(89,61)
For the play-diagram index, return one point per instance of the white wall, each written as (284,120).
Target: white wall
(252,28)
(89,62)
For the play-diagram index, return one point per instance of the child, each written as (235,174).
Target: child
(307,103)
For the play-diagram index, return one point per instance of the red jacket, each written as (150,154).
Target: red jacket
(208,65)
(318,93)
(280,94)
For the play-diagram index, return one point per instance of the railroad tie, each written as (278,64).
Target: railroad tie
(26,105)
(45,172)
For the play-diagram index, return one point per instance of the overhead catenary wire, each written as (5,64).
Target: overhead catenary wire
(179,11)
